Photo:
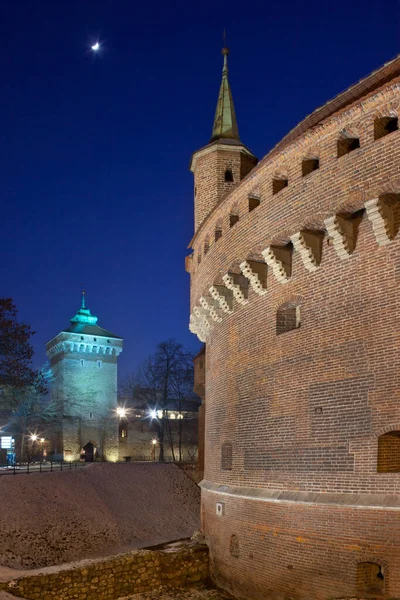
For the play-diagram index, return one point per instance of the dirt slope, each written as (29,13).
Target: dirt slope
(50,518)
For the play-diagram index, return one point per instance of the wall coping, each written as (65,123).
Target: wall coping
(340,499)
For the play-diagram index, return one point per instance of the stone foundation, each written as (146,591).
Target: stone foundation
(174,565)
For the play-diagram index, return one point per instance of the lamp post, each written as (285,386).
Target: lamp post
(153,448)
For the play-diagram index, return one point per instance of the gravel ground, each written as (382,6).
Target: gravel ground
(52,518)
(189,594)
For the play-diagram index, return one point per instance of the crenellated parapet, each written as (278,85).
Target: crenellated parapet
(256,273)
(280,261)
(382,212)
(80,347)
(309,245)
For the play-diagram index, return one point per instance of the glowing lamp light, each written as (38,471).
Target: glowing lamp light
(96,46)
(42,440)
(154,442)
(121,412)
(34,437)
(153,414)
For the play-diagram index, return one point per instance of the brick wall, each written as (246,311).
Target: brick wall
(303,410)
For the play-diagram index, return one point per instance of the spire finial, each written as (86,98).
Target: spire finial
(225,52)
(83,299)
(225,124)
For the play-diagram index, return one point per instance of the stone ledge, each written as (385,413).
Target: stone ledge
(362,500)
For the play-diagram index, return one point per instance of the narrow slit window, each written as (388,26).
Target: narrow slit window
(233,219)
(278,185)
(253,203)
(346,145)
(218,233)
(384,126)
(206,247)
(228,176)
(309,165)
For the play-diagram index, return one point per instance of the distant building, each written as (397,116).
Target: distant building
(84,359)
(96,422)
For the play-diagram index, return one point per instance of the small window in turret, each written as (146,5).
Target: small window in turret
(99,363)
(218,233)
(253,202)
(206,247)
(278,184)
(384,126)
(346,145)
(233,219)
(309,165)
(82,362)
(228,175)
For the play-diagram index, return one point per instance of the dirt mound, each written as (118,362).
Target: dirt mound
(50,518)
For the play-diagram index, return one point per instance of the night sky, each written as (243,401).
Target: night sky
(95,189)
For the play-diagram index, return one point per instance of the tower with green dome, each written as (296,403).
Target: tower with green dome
(84,361)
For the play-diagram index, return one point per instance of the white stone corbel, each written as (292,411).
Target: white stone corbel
(223,296)
(201,314)
(341,231)
(381,218)
(309,245)
(280,261)
(235,283)
(256,273)
(209,304)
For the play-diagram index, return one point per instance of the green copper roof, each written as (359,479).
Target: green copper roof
(83,315)
(86,323)
(225,124)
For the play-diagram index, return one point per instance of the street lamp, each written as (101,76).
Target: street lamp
(153,448)
(121,412)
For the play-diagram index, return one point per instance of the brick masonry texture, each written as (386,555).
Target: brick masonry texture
(303,410)
(175,566)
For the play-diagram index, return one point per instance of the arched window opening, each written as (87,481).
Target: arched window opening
(206,247)
(226,456)
(198,258)
(228,175)
(218,230)
(287,318)
(309,165)
(389,452)
(370,579)
(346,145)
(384,126)
(279,184)
(234,548)
(253,202)
(233,219)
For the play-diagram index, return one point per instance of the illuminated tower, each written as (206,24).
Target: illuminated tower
(84,359)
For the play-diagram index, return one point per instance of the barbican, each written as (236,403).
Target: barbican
(295,272)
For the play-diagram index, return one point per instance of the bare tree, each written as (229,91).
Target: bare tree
(163,383)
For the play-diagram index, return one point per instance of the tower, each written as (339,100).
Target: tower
(225,161)
(83,359)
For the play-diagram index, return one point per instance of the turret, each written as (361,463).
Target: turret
(225,161)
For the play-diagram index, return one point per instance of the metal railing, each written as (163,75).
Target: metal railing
(39,467)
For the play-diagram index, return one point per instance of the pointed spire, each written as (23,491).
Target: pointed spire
(83,299)
(225,124)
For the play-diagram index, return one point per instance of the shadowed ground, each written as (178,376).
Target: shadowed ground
(51,518)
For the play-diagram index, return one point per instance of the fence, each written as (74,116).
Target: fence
(39,467)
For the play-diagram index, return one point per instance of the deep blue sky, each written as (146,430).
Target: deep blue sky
(95,187)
